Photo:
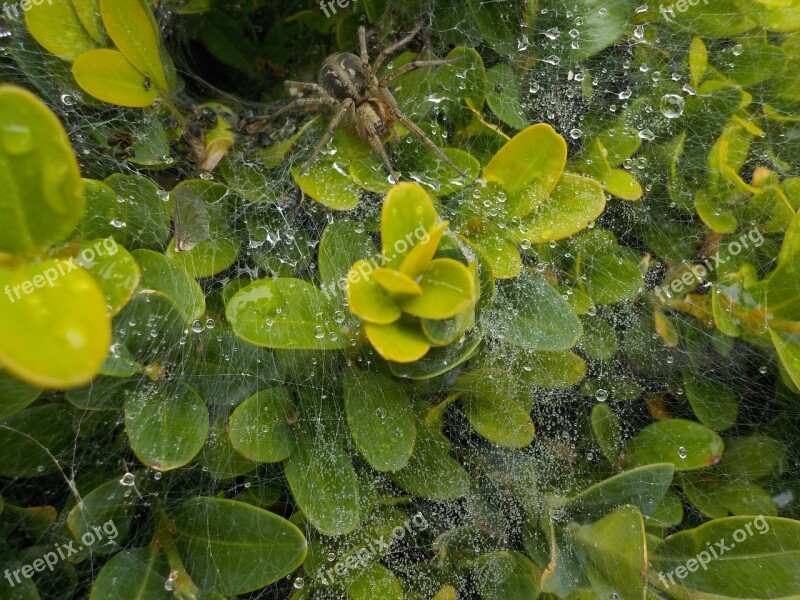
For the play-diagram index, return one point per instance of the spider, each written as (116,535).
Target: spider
(349,85)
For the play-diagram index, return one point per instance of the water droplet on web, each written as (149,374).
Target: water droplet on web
(737,50)
(575,134)
(672,106)
(682,452)
(625,94)
(158,475)
(552,243)
(552,33)
(601,395)
(647,134)
(640,9)
(534,88)
(68,100)
(762,369)
(206,175)
(128,479)
(525,244)
(638,33)
(381,413)
(197,327)
(117,223)
(319,333)
(591,311)
(210,323)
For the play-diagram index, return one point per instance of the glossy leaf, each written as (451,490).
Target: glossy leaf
(377,412)
(166,426)
(686,444)
(109,76)
(285,313)
(234,548)
(260,428)
(42,198)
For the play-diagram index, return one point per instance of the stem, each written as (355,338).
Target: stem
(185,589)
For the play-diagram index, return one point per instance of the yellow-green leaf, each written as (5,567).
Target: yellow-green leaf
(366,298)
(109,76)
(56,331)
(400,341)
(131,26)
(42,194)
(57,28)
(448,288)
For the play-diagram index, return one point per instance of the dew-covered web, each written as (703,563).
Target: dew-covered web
(637,86)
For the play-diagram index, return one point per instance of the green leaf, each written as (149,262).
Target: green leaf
(55,328)
(58,29)
(260,428)
(714,404)
(324,484)
(686,444)
(285,313)
(439,360)
(505,576)
(534,157)
(106,509)
(376,581)
(343,244)
(113,268)
(205,246)
(33,440)
(15,395)
(167,426)
(501,253)
(574,202)
(787,345)
(614,554)
(234,548)
(432,473)
(504,96)
(140,217)
(377,411)
(729,570)
(109,76)
(161,274)
(610,279)
(42,198)
(500,420)
(328,185)
(643,487)
(607,431)
(132,574)
(132,28)
(530,313)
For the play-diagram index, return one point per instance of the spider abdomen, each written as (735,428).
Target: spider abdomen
(341,76)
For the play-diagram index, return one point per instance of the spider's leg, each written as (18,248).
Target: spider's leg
(300,102)
(387,52)
(343,108)
(362,44)
(295,87)
(413,66)
(375,141)
(428,141)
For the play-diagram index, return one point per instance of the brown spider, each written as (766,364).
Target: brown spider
(349,85)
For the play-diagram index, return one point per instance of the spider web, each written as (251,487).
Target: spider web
(280,231)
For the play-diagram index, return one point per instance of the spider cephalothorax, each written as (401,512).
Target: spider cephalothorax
(350,86)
